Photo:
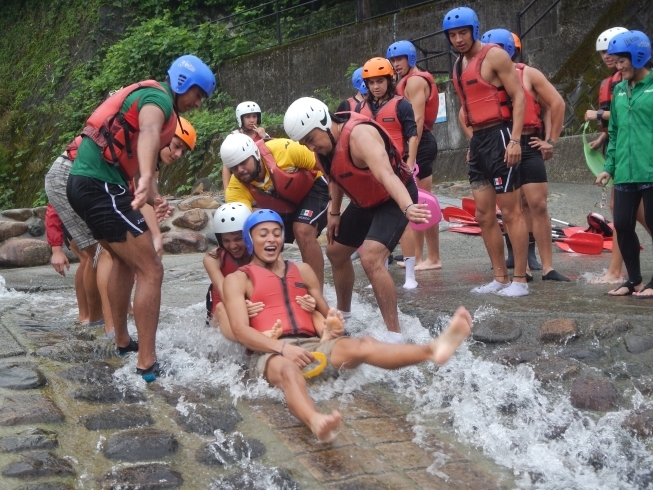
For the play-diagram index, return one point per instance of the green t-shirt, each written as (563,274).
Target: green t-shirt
(89,161)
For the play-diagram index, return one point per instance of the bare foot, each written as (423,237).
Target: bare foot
(608,278)
(276,330)
(323,425)
(334,325)
(647,292)
(428,265)
(460,327)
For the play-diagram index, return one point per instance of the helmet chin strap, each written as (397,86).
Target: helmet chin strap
(258,167)
(333,140)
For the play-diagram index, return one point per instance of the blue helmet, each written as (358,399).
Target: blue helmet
(257,217)
(635,43)
(462,17)
(358,82)
(403,48)
(189,70)
(502,37)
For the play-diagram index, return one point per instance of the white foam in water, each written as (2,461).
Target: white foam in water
(8,293)
(504,411)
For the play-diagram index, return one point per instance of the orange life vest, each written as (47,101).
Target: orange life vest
(388,119)
(482,102)
(290,188)
(228,265)
(533,109)
(432,103)
(605,95)
(358,183)
(267,287)
(117,134)
(353,102)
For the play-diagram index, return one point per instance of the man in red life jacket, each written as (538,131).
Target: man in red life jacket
(394,114)
(349,105)
(361,161)
(280,361)
(281,175)
(418,87)
(249,117)
(122,140)
(485,79)
(543,102)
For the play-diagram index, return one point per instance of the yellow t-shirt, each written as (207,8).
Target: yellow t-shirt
(289,156)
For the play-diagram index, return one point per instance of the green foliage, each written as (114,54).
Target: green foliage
(350,70)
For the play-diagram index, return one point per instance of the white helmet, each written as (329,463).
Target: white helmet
(247,107)
(229,218)
(604,39)
(304,115)
(236,148)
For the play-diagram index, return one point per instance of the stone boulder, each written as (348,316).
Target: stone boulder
(202,185)
(559,330)
(198,202)
(37,464)
(152,476)
(640,422)
(29,409)
(233,449)
(40,211)
(24,252)
(179,242)
(20,376)
(37,228)
(140,444)
(555,369)
(594,394)
(193,219)
(9,229)
(29,440)
(636,344)
(606,328)
(18,214)
(496,330)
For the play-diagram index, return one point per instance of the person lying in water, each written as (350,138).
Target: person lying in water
(271,280)
(228,223)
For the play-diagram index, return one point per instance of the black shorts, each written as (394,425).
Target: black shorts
(384,223)
(106,208)
(531,168)
(486,153)
(311,211)
(427,150)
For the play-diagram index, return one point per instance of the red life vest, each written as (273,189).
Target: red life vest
(353,102)
(267,286)
(532,111)
(358,183)
(388,119)
(605,95)
(228,265)
(71,149)
(117,134)
(432,103)
(482,102)
(290,188)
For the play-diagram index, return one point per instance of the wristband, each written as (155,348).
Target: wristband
(283,344)
(334,214)
(406,210)
(514,142)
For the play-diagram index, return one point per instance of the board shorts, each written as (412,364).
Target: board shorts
(258,362)
(55,187)
(311,211)
(106,208)
(427,150)
(486,153)
(384,223)
(532,169)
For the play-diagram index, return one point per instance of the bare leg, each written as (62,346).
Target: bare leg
(511,213)
(485,199)
(221,320)
(432,236)
(350,353)
(306,236)
(286,375)
(104,266)
(535,196)
(373,255)
(613,275)
(343,273)
(137,255)
(90,286)
(80,292)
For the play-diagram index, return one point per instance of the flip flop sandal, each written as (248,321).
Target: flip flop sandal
(648,286)
(626,284)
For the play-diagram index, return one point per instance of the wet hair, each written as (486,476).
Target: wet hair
(392,89)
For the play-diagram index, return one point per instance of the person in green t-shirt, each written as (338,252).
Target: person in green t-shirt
(116,151)
(629,159)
